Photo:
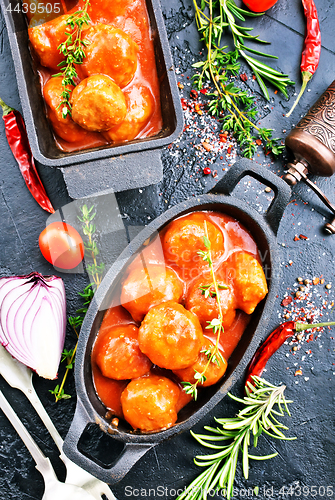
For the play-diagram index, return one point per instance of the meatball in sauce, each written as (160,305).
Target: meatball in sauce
(170,336)
(66,128)
(140,107)
(205,307)
(148,286)
(119,356)
(184,239)
(149,403)
(110,51)
(214,371)
(98,103)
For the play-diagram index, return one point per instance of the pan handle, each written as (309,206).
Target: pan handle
(282,192)
(130,454)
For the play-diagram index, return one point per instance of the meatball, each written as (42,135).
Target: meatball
(170,336)
(206,307)
(65,128)
(145,287)
(250,283)
(118,354)
(214,371)
(184,238)
(110,51)
(46,38)
(149,403)
(98,103)
(140,106)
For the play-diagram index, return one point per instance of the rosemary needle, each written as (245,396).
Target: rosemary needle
(257,416)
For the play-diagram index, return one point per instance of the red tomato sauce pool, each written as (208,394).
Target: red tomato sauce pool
(236,239)
(130,16)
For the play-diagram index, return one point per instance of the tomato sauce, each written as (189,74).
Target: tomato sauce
(236,239)
(131,17)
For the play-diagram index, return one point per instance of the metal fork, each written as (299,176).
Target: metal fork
(19,377)
(54,489)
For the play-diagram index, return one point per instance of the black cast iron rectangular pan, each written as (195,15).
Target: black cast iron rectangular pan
(89,408)
(144,166)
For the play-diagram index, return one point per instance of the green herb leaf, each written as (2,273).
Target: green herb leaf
(207,243)
(220,466)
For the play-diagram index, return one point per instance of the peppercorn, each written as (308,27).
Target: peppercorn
(207,171)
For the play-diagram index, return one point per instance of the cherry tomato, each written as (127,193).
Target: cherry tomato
(61,245)
(259,5)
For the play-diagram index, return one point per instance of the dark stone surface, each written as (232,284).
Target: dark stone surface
(308,461)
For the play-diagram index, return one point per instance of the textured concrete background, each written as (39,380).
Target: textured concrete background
(308,461)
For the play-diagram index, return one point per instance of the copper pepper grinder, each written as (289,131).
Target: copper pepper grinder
(312,144)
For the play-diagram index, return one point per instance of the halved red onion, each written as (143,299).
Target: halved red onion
(33,321)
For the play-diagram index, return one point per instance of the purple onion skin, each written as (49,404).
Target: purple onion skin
(33,321)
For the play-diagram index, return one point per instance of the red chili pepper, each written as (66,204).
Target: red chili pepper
(18,142)
(272,344)
(312,47)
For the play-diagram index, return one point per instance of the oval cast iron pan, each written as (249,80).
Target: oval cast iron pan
(90,409)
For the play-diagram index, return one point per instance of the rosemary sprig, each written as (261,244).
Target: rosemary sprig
(262,71)
(74,53)
(213,354)
(95,272)
(219,65)
(257,416)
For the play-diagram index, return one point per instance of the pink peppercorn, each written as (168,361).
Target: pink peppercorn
(207,171)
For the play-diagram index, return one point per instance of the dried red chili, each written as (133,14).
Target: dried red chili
(18,142)
(312,47)
(273,342)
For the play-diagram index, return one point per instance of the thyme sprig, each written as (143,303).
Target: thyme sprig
(213,354)
(73,50)
(237,107)
(95,272)
(258,415)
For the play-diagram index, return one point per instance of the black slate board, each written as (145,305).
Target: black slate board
(306,462)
